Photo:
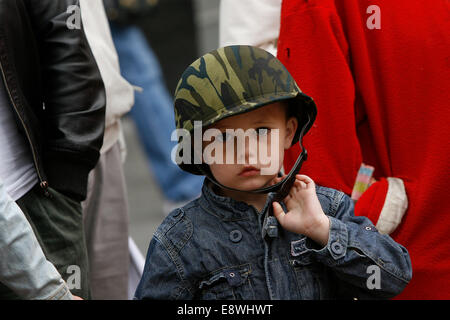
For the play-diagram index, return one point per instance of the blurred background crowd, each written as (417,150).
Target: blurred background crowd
(178,32)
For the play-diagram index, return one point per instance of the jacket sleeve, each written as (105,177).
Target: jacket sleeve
(161,280)
(373,264)
(73,94)
(385,203)
(23,266)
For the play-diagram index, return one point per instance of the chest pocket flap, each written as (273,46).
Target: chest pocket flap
(231,283)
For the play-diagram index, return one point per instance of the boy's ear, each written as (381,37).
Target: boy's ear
(291,129)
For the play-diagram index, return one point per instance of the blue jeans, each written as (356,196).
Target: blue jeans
(153,113)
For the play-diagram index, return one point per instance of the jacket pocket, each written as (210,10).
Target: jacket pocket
(230,283)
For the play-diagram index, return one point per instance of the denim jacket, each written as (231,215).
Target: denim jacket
(219,248)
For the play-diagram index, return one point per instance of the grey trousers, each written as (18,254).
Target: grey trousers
(105,217)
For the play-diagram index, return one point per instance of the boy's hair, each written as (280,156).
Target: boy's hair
(234,80)
(289,110)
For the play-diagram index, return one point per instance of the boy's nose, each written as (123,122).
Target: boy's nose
(250,147)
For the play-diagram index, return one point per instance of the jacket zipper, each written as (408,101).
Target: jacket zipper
(42,183)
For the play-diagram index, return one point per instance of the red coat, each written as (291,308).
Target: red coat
(383,99)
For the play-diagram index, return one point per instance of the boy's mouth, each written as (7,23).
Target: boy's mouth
(249,171)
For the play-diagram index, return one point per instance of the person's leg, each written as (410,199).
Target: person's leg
(153,113)
(105,214)
(57,223)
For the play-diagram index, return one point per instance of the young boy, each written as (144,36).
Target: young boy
(227,243)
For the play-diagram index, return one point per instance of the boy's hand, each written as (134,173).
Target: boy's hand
(305,215)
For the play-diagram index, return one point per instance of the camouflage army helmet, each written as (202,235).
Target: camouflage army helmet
(233,80)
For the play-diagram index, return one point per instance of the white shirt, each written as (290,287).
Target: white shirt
(16,163)
(250,22)
(119,93)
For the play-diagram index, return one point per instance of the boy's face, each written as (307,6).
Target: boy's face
(250,168)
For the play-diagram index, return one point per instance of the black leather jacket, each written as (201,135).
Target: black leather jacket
(55,90)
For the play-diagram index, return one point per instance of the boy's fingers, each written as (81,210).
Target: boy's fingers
(291,194)
(294,193)
(288,201)
(278,211)
(304,178)
(300,184)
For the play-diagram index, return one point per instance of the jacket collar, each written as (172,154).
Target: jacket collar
(224,208)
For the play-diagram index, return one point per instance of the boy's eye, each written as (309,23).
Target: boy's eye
(262,131)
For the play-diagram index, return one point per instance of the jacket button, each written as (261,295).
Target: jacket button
(177,213)
(337,248)
(235,236)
